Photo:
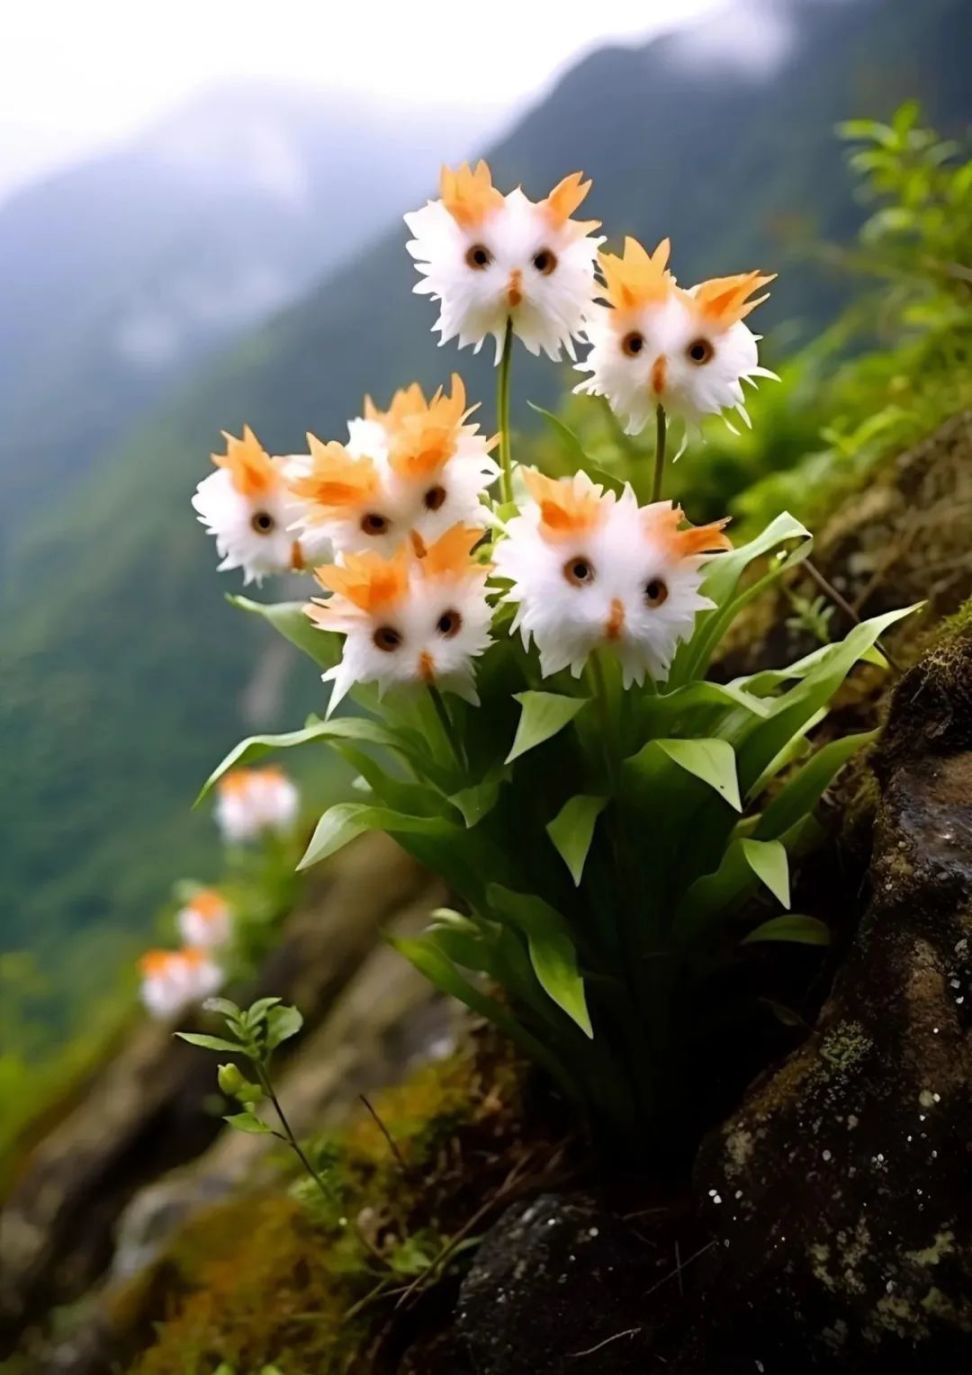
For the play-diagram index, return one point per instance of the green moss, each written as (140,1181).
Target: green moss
(304,1281)
(845,1045)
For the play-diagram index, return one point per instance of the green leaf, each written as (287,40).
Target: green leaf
(768,861)
(565,434)
(223,1006)
(195,1038)
(542,715)
(800,794)
(341,728)
(714,761)
(479,799)
(802,930)
(722,575)
(282,1023)
(551,948)
(343,822)
(248,1122)
(795,707)
(439,970)
(288,619)
(572,831)
(256,1012)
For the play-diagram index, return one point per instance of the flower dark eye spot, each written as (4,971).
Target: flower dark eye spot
(434,498)
(632,344)
(478,257)
(656,593)
(545,261)
(375,524)
(387,638)
(449,623)
(700,351)
(262,522)
(579,571)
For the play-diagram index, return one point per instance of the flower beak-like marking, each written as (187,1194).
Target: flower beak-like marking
(659,374)
(514,289)
(426,667)
(297,563)
(615,622)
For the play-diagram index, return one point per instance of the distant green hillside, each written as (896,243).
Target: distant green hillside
(125,672)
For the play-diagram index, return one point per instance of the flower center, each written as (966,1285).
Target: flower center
(262,522)
(449,623)
(387,638)
(700,351)
(478,257)
(656,592)
(579,571)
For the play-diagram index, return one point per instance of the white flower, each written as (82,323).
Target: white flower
(657,344)
(417,618)
(249,508)
(418,467)
(174,979)
(205,922)
(276,799)
(488,258)
(593,571)
(253,802)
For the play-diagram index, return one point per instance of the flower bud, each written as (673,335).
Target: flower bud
(230,1080)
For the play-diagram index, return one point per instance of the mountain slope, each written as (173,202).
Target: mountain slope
(128,676)
(119,275)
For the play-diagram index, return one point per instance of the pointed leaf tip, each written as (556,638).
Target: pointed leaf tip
(542,715)
(713,761)
(572,831)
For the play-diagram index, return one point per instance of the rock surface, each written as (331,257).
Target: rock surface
(841,1190)
(151,1108)
(559,1286)
(906,537)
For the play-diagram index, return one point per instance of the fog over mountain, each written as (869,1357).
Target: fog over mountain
(118,276)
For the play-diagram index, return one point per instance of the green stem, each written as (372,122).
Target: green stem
(267,1086)
(448,728)
(627,886)
(661,439)
(828,589)
(503,413)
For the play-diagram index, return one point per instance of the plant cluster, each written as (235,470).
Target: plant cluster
(529,668)
(223,931)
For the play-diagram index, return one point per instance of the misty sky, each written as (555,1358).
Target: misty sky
(78,76)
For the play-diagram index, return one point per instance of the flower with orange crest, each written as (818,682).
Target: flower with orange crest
(489,258)
(251,803)
(417,618)
(205,921)
(656,344)
(417,467)
(172,980)
(593,571)
(247,505)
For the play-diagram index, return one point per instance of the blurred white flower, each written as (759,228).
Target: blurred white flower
(206,921)
(172,980)
(254,802)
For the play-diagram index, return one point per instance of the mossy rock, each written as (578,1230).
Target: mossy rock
(311,1283)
